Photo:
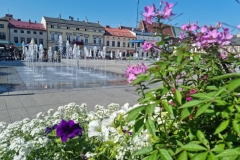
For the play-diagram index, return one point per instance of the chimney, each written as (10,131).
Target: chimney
(72,18)
(35,21)
(98,22)
(120,27)
(29,21)
(86,20)
(9,15)
(59,16)
(107,26)
(19,19)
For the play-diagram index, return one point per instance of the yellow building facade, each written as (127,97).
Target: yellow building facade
(83,33)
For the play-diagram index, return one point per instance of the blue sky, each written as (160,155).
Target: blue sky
(115,12)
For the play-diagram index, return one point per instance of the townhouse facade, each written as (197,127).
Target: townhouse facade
(20,31)
(117,40)
(83,33)
(4,39)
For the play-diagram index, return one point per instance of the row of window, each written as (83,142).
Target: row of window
(55,37)
(28,32)
(22,39)
(123,44)
(1,25)
(59,27)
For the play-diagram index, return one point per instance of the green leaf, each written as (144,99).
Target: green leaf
(151,127)
(144,150)
(165,155)
(222,127)
(133,113)
(196,58)
(185,113)
(234,84)
(228,152)
(193,147)
(192,103)
(150,109)
(202,109)
(202,138)
(178,96)
(229,75)
(211,156)
(236,126)
(200,156)
(182,155)
(212,88)
(160,43)
(168,108)
(154,155)
(201,95)
(171,69)
(138,127)
(179,58)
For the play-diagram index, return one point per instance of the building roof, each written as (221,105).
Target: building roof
(8,17)
(26,25)
(151,28)
(118,32)
(235,41)
(73,22)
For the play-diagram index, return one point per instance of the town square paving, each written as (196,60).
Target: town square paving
(18,100)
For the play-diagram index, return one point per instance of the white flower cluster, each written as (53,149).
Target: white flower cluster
(19,139)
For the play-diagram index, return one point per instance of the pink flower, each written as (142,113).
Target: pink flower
(182,36)
(147,46)
(189,98)
(131,78)
(190,117)
(204,77)
(149,13)
(173,90)
(193,91)
(171,103)
(134,70)
(224,55)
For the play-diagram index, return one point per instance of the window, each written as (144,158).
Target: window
(28,40)
(16,39)
(132,45)
(128,45)
(52,37)
(99,41)
(59,27)
(113,43)
(107,43)
(40,33)
(68,37)
(28,32)
(86,40)
(77,29)
(85,29)
(22,39)
(124,44)
(1,25)
(94,40)
(2,35)
(40,41)
(100,31)
(68,27)
(78,38)
(34,32)
(138,44)
(118,44)
(22,31)
(35,40)
(15,31)
(94,30)
(52,26)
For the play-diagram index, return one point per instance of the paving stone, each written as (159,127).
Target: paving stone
(4,116)
(2,104)
(18,114)
(33,111)
(12,102)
